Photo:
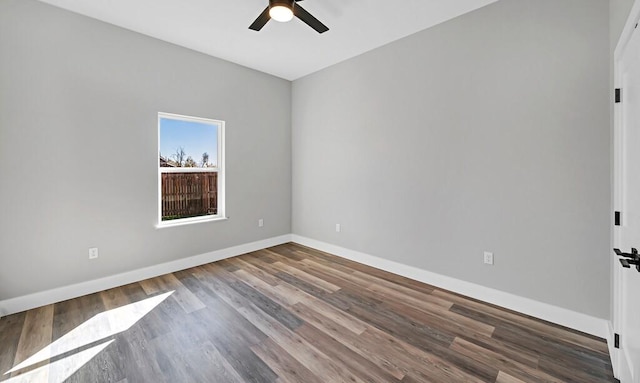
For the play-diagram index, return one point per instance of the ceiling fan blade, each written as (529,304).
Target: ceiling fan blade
(261,20)
(308,19)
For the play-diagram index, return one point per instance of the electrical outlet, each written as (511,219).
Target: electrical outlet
(93,253)
(488,258)
(260,222)
(338,228)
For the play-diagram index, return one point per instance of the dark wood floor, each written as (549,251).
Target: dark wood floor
(290,314)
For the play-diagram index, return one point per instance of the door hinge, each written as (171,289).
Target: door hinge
(617,218)
(618,95)
(616,340)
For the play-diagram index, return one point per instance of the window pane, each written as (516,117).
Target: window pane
(190,167)
(187,195)
(186,143)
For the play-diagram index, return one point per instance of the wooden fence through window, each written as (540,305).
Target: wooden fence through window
(189,195)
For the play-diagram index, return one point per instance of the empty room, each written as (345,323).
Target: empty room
(319,191)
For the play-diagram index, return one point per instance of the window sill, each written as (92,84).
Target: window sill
(188,221)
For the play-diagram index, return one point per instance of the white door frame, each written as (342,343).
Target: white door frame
(619,359)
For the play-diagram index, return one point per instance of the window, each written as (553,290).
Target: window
(190,169)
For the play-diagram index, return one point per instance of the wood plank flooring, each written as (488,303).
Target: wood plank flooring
(290,314)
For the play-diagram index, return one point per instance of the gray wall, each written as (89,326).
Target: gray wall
(78,148)
(487,132)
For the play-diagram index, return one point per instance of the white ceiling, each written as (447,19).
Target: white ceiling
(289,50)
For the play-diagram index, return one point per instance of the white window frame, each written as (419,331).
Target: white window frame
(219,168)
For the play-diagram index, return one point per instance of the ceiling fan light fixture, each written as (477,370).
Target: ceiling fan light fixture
(281,11)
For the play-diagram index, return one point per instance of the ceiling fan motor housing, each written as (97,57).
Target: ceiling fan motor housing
(283,3)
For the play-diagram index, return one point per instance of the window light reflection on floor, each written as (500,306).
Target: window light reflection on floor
(60,370)
(100,326)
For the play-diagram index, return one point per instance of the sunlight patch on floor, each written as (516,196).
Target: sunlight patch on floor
(100,326)
(62,369)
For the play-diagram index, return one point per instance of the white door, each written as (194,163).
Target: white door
(626,281)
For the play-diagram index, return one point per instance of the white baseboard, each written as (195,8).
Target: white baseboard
(27,302)
(578,321)
(575,320)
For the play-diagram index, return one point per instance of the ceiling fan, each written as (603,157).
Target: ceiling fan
(283,11)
